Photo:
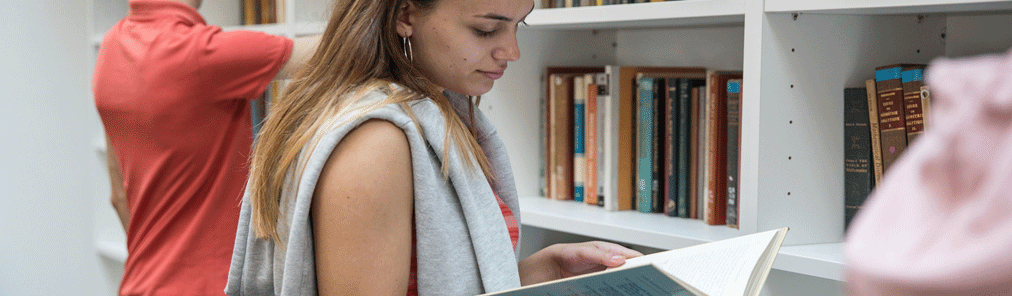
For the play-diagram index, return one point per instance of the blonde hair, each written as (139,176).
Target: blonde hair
(359,52)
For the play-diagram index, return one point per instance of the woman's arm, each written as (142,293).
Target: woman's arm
(362,214)
(566,260)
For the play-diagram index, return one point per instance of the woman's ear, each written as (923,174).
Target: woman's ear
(404,18)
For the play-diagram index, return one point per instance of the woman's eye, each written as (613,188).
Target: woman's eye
(483,33)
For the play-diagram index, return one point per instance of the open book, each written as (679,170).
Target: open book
(735,266)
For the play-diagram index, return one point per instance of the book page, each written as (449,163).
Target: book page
(716,268)
(644,280)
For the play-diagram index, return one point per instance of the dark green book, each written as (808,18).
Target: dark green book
(858,178)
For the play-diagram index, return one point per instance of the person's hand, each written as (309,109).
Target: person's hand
(566,260)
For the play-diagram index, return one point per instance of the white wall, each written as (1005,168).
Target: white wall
(46,178)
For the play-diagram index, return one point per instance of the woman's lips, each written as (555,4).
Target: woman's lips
(492,74)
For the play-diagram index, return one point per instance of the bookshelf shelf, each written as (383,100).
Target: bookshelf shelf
(663,232)
(869,7)
(650,230)
(641,15)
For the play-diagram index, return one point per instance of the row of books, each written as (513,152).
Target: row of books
(579,3)
(653,139)
(880,121)
(255,12)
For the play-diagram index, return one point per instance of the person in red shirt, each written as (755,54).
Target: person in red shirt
(174,97)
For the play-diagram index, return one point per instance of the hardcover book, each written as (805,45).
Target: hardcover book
(913,79)
(858,178)
(715,174)
(593,137)
(733,136)
(891,119)
(735,266)
(874,131)
(579,136)
(645,137)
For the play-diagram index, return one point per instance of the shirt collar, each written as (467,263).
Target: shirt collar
(148,8)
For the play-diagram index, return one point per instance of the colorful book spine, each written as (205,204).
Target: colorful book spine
(684,142)
(858,178)
(873,130)
(610,144)
(715,207)
(660,142)
(892,122)
(579,135)
(697,144)
(913,79)
(560,138)
(592,146)
(733,145)
(670,188)
(644,144)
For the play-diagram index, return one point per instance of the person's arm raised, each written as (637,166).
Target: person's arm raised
(302,49)
(362,213)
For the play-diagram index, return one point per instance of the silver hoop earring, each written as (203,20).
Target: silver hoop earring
(408,52)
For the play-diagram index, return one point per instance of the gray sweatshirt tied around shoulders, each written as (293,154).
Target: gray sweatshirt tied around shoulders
(462,243)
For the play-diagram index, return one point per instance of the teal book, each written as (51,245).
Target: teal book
(579,136)
(645,138)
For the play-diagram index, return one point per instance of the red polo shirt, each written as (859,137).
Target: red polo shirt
(173,94)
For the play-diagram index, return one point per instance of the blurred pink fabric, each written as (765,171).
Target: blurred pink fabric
(940,222)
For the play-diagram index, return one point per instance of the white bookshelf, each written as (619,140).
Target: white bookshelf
(655,14)
(894,7)
(797,57)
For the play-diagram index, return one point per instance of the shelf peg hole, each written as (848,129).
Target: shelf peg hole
(789,158)
(788,193)
(792,50)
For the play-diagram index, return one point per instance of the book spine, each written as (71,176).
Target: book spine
(892,123)
(591,133)
(716,173)
(685,141)
(912,78)
(624,86)
(579,135)
(858,177)
(697,157)
(671,120)
(658,154)
(644,144)
(601,85)
(874,131)
(612,120)
(561,138)
(733,135)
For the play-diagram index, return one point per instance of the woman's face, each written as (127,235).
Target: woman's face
(464,45)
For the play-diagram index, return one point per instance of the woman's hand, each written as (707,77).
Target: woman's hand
(566,260)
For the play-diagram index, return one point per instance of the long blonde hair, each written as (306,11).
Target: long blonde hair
(359,51)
